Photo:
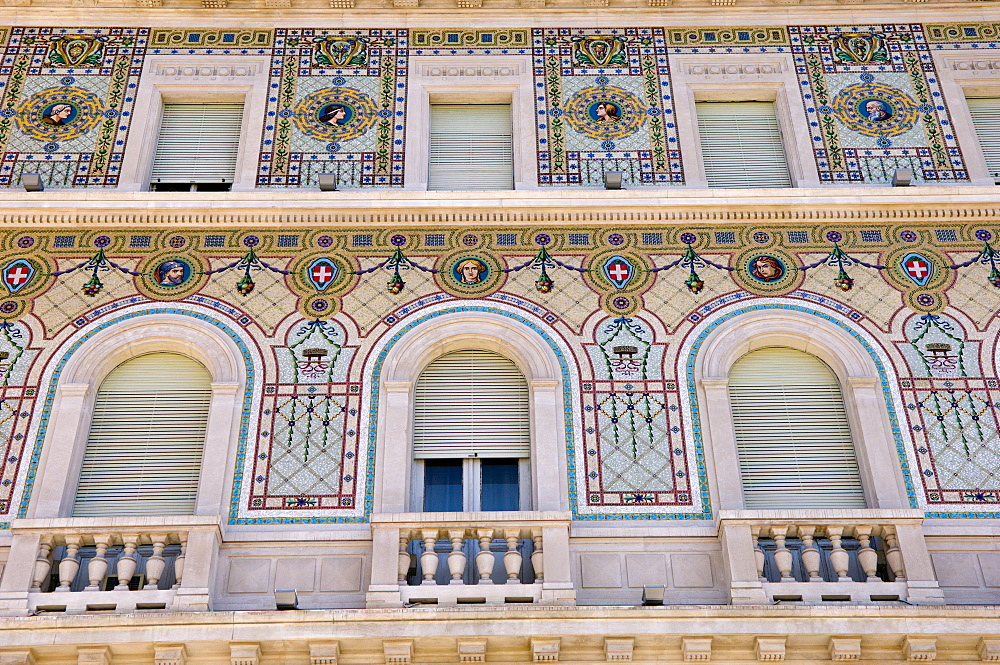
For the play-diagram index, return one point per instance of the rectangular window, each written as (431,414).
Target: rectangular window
(197,147)
(741,145)
(499,484)
(986,120)
(471,147)
(442,486)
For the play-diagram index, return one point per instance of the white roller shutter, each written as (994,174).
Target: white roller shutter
(792,434)
(986,120)
(471,403)
(471,147)
(741,145)
(146,439)
(198,143)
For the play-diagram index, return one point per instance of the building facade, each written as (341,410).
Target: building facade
(414,332)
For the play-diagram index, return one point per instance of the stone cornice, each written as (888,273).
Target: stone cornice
(381,208)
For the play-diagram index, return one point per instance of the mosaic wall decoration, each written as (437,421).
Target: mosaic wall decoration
(314,310)
(335,106)
(874,104)
(67,103)
(336,98)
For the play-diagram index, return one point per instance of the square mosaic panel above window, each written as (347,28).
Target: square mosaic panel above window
(335,106)
(874,104)
(603,104)
(67,103)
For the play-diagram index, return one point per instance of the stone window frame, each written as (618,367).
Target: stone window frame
(860,384)
(394,467)
(707,77)
(963,74)
(175,79)
(66,438)
(470,80)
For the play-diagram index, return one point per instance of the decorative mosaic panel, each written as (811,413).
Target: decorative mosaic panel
(874,104)
(336,106)
(604,104)
(67,103)
(314,310)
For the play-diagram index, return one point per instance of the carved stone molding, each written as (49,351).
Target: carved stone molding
(769,649)
(247,653)
(472,71)
(206,71)
(977,65)
(472,651)
(920,648)
(398,652)
(324,653)
(169,654)
(545,650)
(707,69)
(618,649)
(845,648)
(696,648)
(989,650)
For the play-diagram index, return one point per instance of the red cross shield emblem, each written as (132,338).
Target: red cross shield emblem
(619,271)
(321,273)
(918,268)
(17,274)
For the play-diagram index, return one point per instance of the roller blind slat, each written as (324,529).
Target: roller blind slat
(471,147)
(792,434)
(468,403)
(741,145)
(147,438)
(198,143)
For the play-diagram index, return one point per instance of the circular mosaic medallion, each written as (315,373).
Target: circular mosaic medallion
(177,241)
(766,268)
(12,309)
(767,272)
(926,301)
(169,276)
(875,109)
(316,306)
(335,113)
(605,112)
(618,305)
(59,114)
(470,274)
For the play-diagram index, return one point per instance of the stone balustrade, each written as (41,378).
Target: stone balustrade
(68,565)
(818,556)
(470,558)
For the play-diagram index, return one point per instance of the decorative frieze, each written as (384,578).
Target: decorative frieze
(206,71)
(706,69)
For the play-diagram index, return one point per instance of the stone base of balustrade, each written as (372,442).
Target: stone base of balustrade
(924,593)
(746,593)
(119,602)
(832,592)
(14,603)
(192,599)
(472,594)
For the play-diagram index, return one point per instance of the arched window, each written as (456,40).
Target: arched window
(471,433)
(147,436)
(792,433)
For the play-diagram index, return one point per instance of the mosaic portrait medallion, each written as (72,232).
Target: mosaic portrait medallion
(605,112)
(875,109)
(59,114)
(335,114)
(470,274)
(172,273)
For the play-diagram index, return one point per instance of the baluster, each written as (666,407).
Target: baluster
(867,557)
(810,553)
(98,566)
(485,559)
(758,553)
(179,561)
(782,556)
(893,557)
(125,568)
(537,556)
(43,564)
(456,558)
(839,558)
(512,558)
(429,559)
(70,564)
(403,566)
(155,565)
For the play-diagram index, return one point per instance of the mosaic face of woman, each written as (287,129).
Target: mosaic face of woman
(471,270)
(607,112)
(767,268)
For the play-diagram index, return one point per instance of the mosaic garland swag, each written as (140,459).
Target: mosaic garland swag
(616,307)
